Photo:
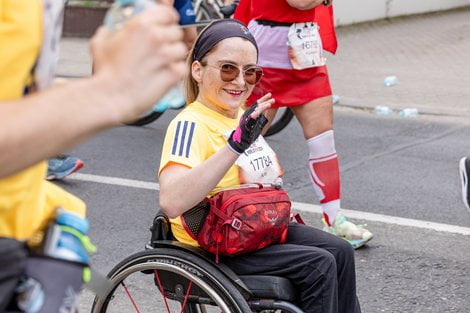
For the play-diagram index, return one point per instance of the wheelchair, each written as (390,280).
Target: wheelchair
(170,276)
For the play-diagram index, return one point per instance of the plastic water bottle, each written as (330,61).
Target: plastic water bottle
(383,110)
(121,10)
(118,13)
(30,296)
(173,99)
(409,112)
(67,239)
(390,81)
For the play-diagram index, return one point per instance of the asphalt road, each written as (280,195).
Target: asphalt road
(390,166)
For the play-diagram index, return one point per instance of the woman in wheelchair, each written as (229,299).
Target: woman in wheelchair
(203,154)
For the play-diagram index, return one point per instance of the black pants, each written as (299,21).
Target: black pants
(60,279)
(13,256)
(320,265)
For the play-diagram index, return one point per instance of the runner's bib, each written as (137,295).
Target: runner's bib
(305,46)
(259,163)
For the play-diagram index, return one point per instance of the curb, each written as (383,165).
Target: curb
(422,109)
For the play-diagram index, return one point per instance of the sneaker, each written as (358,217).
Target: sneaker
(62,166)
(464,167)
(356,235)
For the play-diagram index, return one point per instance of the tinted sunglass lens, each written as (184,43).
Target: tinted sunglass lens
(228,72)
(253,75)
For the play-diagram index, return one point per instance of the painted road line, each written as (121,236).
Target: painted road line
(300,206)
(115,181)
(387,219)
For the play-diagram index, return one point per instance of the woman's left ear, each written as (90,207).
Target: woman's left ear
(196,71)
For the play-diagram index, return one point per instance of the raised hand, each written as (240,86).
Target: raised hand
(251,124)
(141,61)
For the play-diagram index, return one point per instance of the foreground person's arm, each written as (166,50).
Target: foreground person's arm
(134,67)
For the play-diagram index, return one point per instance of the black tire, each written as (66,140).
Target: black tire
(175,269)
(148,118)
(280,123)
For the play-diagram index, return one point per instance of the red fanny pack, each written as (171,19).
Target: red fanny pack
(241,220)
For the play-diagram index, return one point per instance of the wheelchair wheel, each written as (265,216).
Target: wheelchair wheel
(169,280)
(147,118)
(278,124)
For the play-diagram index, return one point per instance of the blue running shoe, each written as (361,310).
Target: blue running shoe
(62,166)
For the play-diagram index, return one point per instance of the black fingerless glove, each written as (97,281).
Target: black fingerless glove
(247,131)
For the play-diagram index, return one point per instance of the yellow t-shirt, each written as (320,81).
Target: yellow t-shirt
(192,137)
(26,198)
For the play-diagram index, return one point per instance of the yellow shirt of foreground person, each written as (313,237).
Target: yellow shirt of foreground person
(26,198)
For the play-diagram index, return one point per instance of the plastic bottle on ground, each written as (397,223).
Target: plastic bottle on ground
(383,110)
(409,112)
(335,99)
(390,81)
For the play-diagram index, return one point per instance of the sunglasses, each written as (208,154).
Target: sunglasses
(229,72)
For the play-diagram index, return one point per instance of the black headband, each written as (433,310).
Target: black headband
(218,31)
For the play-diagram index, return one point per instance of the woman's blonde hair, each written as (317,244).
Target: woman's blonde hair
(190,84)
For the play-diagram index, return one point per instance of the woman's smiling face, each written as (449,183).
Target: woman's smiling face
(225,97)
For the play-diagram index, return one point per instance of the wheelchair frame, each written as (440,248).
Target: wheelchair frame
(176,266)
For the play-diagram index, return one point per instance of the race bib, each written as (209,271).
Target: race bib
(305,48)
(259,164)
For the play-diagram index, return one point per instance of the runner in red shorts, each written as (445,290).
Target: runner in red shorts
(291,36)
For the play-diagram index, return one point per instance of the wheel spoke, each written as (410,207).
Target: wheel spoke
(186,296)
(130,297)
(161,290)
(169,271)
